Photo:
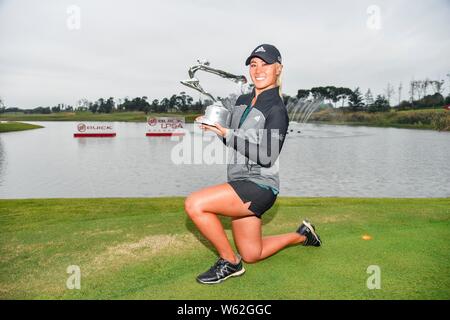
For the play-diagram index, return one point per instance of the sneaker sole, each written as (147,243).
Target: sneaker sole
(306,223)
(236,274)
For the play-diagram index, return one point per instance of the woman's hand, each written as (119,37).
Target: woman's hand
(218,129)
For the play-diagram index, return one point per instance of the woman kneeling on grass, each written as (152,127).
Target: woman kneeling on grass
(258,128)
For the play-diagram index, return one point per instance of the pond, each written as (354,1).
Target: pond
(320,160)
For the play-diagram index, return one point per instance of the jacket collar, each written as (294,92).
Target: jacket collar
(267,97)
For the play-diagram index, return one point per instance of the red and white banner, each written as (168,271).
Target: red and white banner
(94,129)
(165,126)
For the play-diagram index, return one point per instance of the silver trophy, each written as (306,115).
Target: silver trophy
(215,113)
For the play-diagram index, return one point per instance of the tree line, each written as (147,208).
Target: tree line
(181,102)
(422,94)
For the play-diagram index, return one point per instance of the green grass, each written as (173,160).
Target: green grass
(89,116)
(17,126)
(146,248)
(434,119)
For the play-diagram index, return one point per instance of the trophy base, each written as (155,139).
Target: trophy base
(207,122)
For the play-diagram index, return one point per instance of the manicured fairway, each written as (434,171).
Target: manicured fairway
(146,248)
(17,126)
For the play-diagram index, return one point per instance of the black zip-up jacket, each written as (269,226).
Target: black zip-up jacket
(257,143)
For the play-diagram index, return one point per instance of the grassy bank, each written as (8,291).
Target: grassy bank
(89,116)
(147,248)
(17,126)
(435,119)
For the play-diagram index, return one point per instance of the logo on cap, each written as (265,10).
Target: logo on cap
(260,49)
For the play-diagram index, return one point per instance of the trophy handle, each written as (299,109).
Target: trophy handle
(224,74)
(195,84)
(203,65)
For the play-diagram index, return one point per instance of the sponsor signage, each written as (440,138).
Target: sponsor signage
(94,129)
(165,126)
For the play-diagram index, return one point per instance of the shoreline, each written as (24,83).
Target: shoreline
(423,119)
(136,116)
(437,119)
(380,125)
(17,126)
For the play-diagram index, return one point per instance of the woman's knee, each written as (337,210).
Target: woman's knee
(192,206)
(251,257)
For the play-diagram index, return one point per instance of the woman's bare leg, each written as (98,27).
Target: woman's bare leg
(273,244)
(203,207)
(252,246)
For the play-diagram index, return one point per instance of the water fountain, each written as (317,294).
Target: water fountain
(300,110)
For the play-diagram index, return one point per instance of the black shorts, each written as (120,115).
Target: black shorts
(261,199)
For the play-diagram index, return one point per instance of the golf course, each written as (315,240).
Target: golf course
(17,126)
(147,248)
(431,119)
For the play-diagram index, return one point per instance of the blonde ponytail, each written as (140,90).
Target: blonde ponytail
(279,84)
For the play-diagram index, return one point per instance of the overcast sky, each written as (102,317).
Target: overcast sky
(136,48)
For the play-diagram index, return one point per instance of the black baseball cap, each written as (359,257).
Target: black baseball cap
(267,52)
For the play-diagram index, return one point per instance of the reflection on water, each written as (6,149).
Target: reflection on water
(318,132)
(321,160)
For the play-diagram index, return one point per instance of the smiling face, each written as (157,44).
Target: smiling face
(264,75)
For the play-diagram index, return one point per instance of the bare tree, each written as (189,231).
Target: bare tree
(412,90)
(83,104)
(421,88)
(368,97)
(400,87)
(437,86)
(415,90)
(119,101)
(389,92)
(448,75)
(426,83)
